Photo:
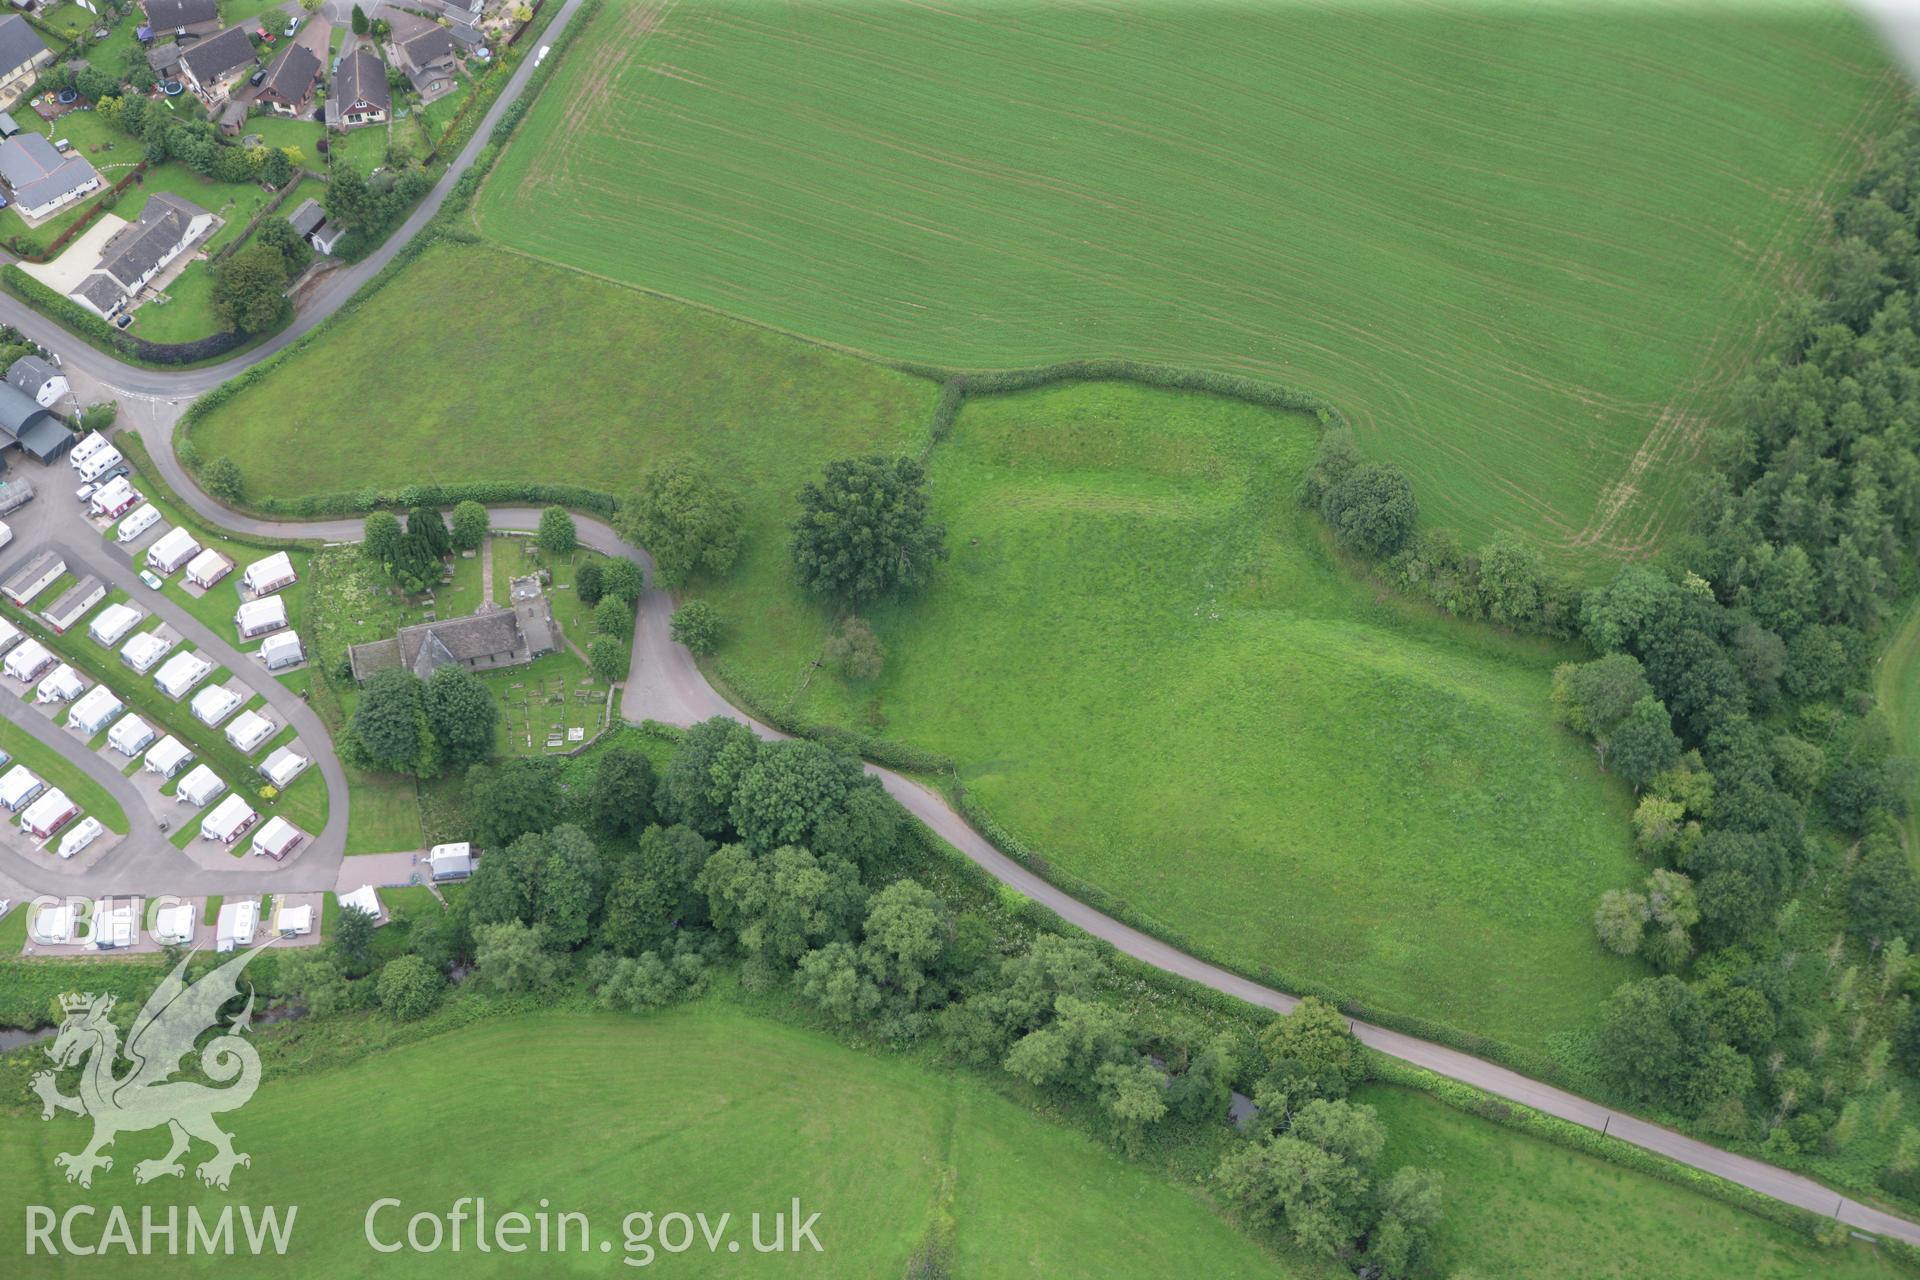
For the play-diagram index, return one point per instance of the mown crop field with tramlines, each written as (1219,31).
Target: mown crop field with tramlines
(1537,311)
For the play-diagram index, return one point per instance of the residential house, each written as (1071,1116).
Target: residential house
(183,17)
(167,227)
(361,95)
(41,179)
(427,59)
(492,638)
(214,66)
(291,80)
(46,384)
(22,54)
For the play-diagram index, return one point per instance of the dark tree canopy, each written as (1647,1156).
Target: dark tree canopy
(863,531)
(506,801)
(1372,509)
(685,519)
(462,716)
(390,720)
(620,798)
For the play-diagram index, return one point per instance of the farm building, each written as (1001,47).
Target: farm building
(171,551)
(41,178)
(451,861)
(199,786)
(142,518)
(48,814)
(236,923)
(64,685)
(84,833)
(18,787)
(99,462)
(112,623)
(33,577)
(143,651)
(24,422)
(292,922)
(263,577)
(277,838)
(228,821)
(282,650)
(168,225)
(283,765)
(52,925)
(491,638)
(208,568)
(115,498)
(249,731)
(257,617)
(173,925)
(73,603)
(215,703)
(37,378)
(180,673)
(10,635)
(28,661)
(95,711)
(167,757)
(365,900)
(130,735)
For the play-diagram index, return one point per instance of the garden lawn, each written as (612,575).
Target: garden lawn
(701,1108)
(56,769)
(1148,668)
(1528,251)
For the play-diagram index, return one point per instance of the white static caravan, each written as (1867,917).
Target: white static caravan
(277,838)
(83,452)
(99,463)
(283,765)
(84,833)
(18,788)
(35,576)
(130,735)
(111,624)
(269,575)
(167,757)
(10,635)
(215,703)
(199,787)
(236,924)
(250,731)
(171,551)
(208,568)
(115,498)
(228,821)
(180,673)
(282,649)
(73,603)
(363,899)
(64,685)
(116,923)
(143,518)
(174,925)
(52,925)
(143,651)
(48,814)
(28,661)
(94,711)
(451,861)
(293,922)
(257,617)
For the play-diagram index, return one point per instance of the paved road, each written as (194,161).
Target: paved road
(665,684)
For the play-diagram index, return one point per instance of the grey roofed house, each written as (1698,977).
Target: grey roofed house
(19,43)
(492,638)
(172,15)
(133,251)
(431,47)
(217,57)
(307,217)
(35,430)
(36,173)
(291,79)
(361,79)
(165,58)
(102,291)
(30,373)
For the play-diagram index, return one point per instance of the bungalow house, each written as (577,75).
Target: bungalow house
(41,180)
(257,617)
(214,66)
(282,650)
(46,384)
(143,518)
(208,568)
(22,54)
(283,765)
(228,821)
(25,421)
(263,577)
(361,95)
(48,814)
(426,58)
(84,833)
(174,925)
(18,788)
(171,551)
(95,711)
(277,839)
(74,603)
(130,735)
(290,82)
(113,623)
(28,661)
(167,757)
(215,703)
(167,227)
(492,638)
(236,923)
(33,577)
(143,651)
(250,731)
(183,17)
(64,685)
(180,673)
(199,787)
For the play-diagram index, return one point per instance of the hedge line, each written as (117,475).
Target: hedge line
(1174,377)
(83,323)
(882,751)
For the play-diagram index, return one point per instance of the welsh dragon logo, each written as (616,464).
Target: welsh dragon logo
(146,1096)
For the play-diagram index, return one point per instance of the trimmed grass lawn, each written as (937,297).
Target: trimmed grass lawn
(1519,1206)
(701,1108)
(1897,687)
(1148,667)
(383,814)
(1530,281)
(56,769)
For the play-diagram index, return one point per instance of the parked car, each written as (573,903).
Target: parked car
(123,322)
(293,25)
(257,77)
(147,576)
(117,469)
(85,491)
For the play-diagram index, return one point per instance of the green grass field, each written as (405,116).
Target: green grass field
(696,1109)
(58,771)
(1526,249)
(1146,666)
